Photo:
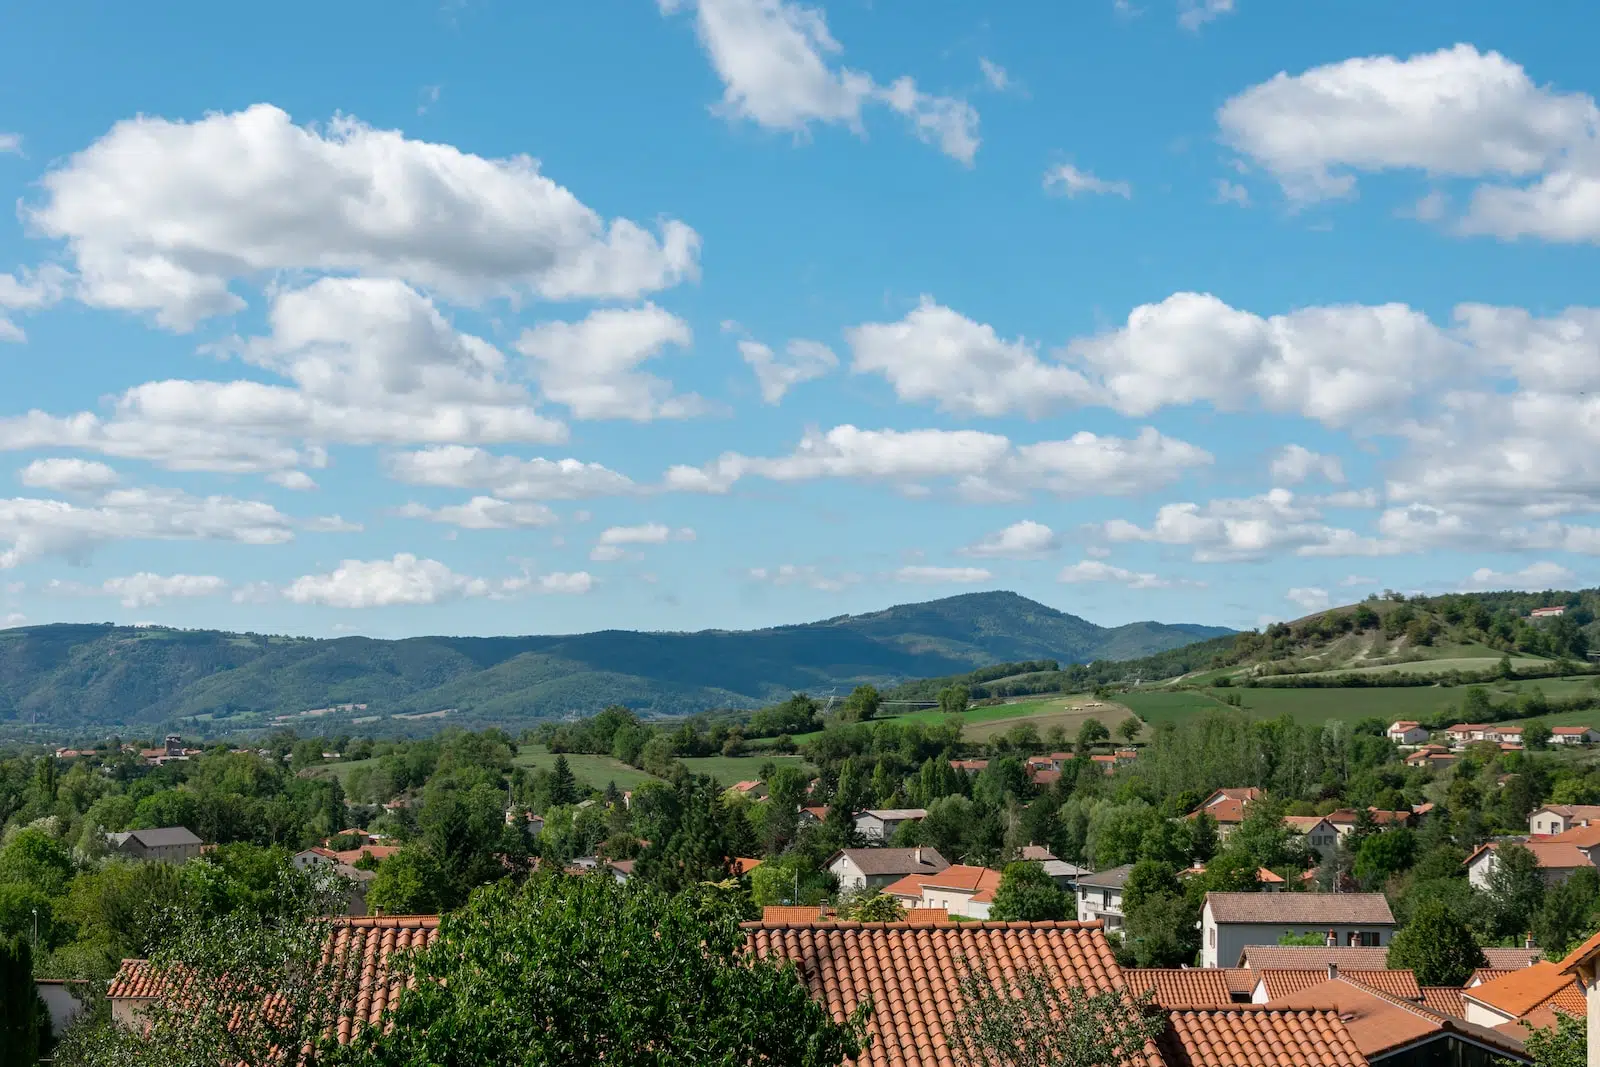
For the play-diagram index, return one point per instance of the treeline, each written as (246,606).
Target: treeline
(928,688)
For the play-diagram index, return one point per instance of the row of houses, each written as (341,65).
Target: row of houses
(1406,732)
(1337,1005)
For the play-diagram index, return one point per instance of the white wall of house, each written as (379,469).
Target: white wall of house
(955,902)
(1414,735)
(1221,943)
(1482,866)
(1098,904)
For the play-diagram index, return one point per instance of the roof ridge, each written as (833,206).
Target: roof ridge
(852,924)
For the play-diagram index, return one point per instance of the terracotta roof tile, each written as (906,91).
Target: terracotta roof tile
(877,862)
(779,914)
(1239,979)
(1582,953)
(360,949)
(927,915)
(963,879)
(1489,974)
(910,971)
(1185,988)
(1380,1023)
(1402,984)
(1313,958)
(1519,992)
(1512,959)
(1444,999)
(1242,1037)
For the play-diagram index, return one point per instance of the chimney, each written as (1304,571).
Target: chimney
(916,856)
(1333,970)
(1527,940)
(1333,939)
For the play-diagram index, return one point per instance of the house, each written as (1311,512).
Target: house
(1100,896)
(1559,818)
(1064,874)
(61,1001)
(875,868)
(1227,806)
(958,890)
(532,825)
(813,816)
(1345,820)
(1547,613)
(1320,835)
(1397,1031)
(1230,921)
(1182,988)
(326,859)
(1406,732)
(970,766)
(169,844)
(752,790)
(1557,860)
(1508,735)
(1272,985)
(1583,964)
(1513,997)
(361,947)
(844,964)
(1574,735)
(1319,958)
(1431,756)
(880,824)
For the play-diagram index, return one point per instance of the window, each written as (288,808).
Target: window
(1368,939)
(1211,937)
(1105,898)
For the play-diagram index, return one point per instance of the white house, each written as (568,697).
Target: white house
(1557,860)
(1230,921)
(1100,897)
(875,868)
(1406,732)
(1227,806)
(1583,963)
(1321,836)
(1559,818)
(1574,735)
(879,824)
(959,890)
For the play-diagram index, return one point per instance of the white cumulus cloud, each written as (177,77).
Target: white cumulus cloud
(68,475)
(801,361)
(1072,182)
(925,575)
(1094,570)
(1021,540)
(1535,577)
(592,366)
(1295,463)
(1309,597)
(146,590)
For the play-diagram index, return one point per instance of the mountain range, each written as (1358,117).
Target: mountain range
(89,676)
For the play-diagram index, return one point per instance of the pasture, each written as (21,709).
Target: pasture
(591,771)
(728,770)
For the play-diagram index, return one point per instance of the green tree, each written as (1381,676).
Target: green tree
(563,783)
(1516,888)
(24,1023)
(1437,946)
(1034,1021)
(1567,913)
(1536,734)
(1563,1045)
(1384,854)
(583,971)
(1204,839)
(1091,733)
(861,705)
(871,906)
(953,700)
(1027,894)
(1129,728)
(1162,930)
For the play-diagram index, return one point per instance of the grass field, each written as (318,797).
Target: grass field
(592,771)
(1436,666)
(730,769)
(1068,713)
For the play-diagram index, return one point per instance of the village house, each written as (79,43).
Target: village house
(360,880)
(1345,820)
(1583,964)
(1231,921)
(1064,874)
(970,766)
(813,816)
(1406,732)
(1557,859)
(880,824)
(1574,735)
(1227,806)
(752,790)
(1528,997)
(1100,896)
(1548,613)
(958,890)
(1436,756)
(1321,836)
(1554,819)
(168,844)
(875,868)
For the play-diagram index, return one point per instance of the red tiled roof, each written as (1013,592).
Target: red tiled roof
(1519,992)
(1301,909)
(377,852)
(773,913)
(1444,999)
(1489,974)
(1512,959)
(909,886)
(1381,1023)
(1313,958)
(1552,853)
(1239,979)
(744,864)
(1402,984)
(1182,988)
(359,945)
(927,915)
(963,879)
(1242,1037)
(910,971)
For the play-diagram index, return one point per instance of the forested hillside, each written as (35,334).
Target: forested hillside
(82,676)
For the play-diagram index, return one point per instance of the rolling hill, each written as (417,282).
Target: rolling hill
(86,676)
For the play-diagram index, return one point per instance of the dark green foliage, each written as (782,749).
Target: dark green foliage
(23,1021)
(1567,916)
(1163,930)
(1436,945)
(1563,1045)
(91,675)
(576,971)
(1027,894)
(1516,889)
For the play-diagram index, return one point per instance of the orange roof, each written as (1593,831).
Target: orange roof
(1519,992)
(377,852)
(1402,984)
(909,886)
(927,915)
(1444,999)
(1380,1023)
(744,864)
(1551,853)
(773,913)
(1582,954)
(909,971)
(1239,979)
(1264,875)
(1489,974)
(370,939)
(1185,988)
(1578,836)
(1241,1037)
(962,879)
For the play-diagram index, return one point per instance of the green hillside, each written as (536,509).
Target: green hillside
(90,676)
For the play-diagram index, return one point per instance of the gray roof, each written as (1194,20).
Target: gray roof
(161,837)
(898,861)
(1313,958)
(1301,909)
(896,814)
(1111,879)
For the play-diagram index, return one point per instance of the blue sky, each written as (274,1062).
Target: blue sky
(503,317)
